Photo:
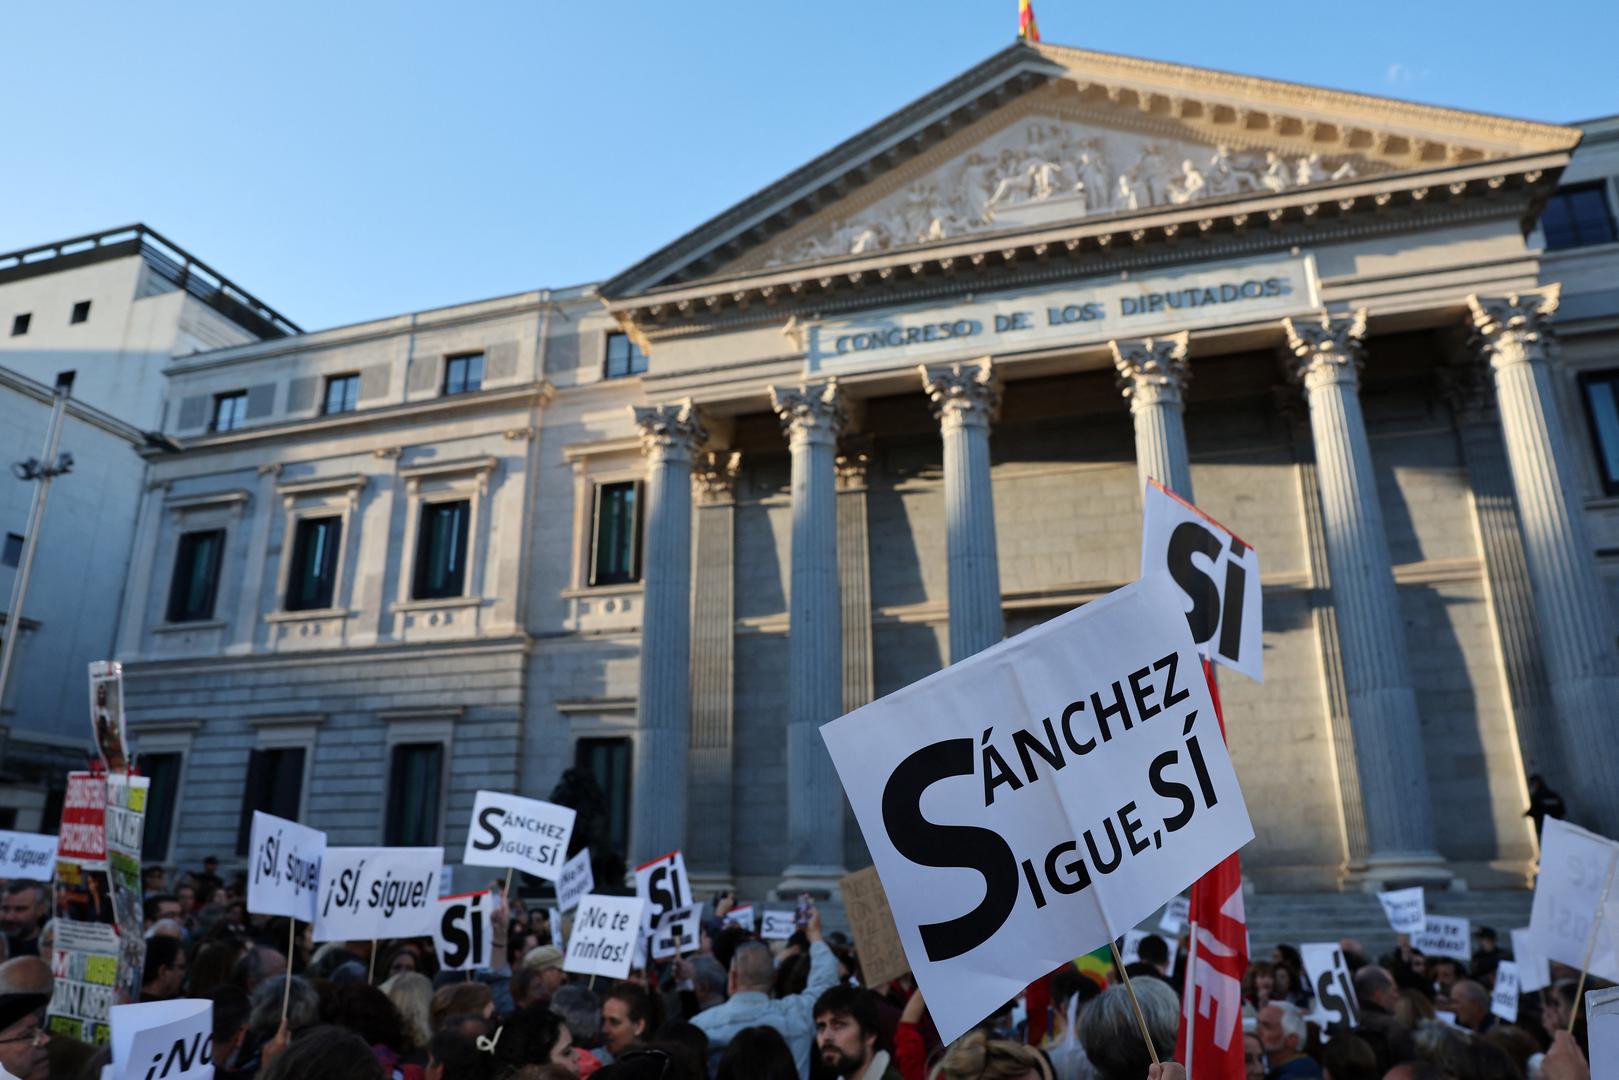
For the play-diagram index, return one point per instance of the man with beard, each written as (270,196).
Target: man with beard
(846,1035)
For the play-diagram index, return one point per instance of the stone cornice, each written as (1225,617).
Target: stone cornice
(1163,235)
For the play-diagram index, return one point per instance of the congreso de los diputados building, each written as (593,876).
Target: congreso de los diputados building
(899,405)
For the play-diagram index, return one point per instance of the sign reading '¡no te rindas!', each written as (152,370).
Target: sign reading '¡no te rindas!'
(1074,313)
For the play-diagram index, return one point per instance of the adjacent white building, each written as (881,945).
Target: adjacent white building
(114,308)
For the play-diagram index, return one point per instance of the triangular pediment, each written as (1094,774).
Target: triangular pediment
(1037,136)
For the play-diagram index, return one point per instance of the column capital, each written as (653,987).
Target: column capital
(1152,371)
(963,394)
(670,430)
(1515,328)
(852,462)
(714,475)
(1327,348)
(811,412)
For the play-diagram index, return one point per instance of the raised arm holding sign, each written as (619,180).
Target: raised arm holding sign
(1023,805)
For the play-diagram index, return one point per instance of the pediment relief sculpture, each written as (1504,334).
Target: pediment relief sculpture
(1044,170)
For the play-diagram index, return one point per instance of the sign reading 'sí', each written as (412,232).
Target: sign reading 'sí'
(1072,314)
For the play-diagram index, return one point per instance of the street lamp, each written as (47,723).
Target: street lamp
(31,470)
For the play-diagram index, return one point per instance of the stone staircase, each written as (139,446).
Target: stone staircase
(1300,917)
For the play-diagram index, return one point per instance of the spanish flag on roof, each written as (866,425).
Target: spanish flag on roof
(1027,28)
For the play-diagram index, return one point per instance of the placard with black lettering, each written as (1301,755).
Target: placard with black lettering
(162,1040)
(1576,868)
(1328,971)
(1029,803)
(1216,573)
(1405,909)
(525,834)
(28,856)
(283,867)
(576,881)
(777,925)
(1444,935)
(678,932)
(663,884)
(605,932)
(464,935)
(370,893)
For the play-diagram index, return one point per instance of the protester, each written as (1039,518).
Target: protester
(232,1008)
(756,1053)
(1543,803)
(1471,1003)
(1253,1057)
(326,1053)
(23,911)
(752,972)
(535,1036)
(626,1016)
(23,1041)
(1282,1032)
(164,973)
(1153,959)
(846,1035)
(1347,1057)
(1112,1035)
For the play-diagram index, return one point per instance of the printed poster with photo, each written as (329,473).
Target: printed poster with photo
(107,714)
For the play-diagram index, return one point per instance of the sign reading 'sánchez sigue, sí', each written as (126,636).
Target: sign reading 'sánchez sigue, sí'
(1074,313)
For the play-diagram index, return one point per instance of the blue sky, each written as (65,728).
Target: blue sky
(355,160)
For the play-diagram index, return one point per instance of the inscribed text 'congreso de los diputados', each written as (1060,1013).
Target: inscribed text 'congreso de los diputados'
(899,405)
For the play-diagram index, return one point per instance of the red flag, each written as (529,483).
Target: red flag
(1210,1044)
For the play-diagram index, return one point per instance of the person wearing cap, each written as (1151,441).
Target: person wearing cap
(547,960)
(23,1041)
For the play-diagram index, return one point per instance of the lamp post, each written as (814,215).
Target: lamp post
(43,470)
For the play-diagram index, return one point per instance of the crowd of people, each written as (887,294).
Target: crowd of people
(740,1008)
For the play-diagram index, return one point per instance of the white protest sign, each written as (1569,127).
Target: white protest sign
(1176,912)
(1534,971)
(29,856)
(556,929)
(778,925)
(1130,951)
(1024,803)
(525,834)
(1404,910)
(678,932)
(163,1040)
(663,884)
(1574,869)
(1335,1001)
(371,893)
(446,880)
(1602,1028)
(1444,935)
(1504,998)
(283,867)
(464,934)
(1216,574)
(605,932)
(577,879)
(744,916)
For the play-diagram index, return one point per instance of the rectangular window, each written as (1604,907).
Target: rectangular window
(615,556)
(312,579)
(11,554)
(1578,215)
(342,394)
(1601,392)
(415,776)
(196,576)
(624,357)
(441,550)
(275,784)
(463,374)
(164,772)
(230,411)
(19,324)
(81,312)
(607,761)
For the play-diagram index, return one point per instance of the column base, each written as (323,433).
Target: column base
(1381,873)
(821,882)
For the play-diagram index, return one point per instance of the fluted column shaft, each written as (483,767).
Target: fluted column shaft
(1152,374)
(812,417)
(1377,675)
(966,398)
(670,437)
(1576,635)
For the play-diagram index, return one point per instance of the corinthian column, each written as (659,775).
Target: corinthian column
(1377,677)
(670,436)
(966,398)
(1576,637)
(1153,375)
(812,415)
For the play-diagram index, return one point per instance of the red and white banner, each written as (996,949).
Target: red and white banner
(1210,1044)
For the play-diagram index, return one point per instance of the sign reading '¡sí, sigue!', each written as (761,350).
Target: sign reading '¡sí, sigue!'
(1074,313)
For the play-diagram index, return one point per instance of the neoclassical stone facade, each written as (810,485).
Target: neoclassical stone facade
(903,403)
